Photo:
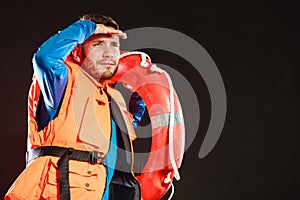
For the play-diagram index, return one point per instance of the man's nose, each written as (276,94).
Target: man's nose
(108,52)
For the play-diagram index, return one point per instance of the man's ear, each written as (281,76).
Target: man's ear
(77,54)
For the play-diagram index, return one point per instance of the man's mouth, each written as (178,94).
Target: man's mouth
(106,63)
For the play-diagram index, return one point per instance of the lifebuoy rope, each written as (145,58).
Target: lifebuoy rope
(143,55)
(171,127)
(172,117)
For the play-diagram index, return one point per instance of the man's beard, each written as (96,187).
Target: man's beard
(107,74)
(99,72)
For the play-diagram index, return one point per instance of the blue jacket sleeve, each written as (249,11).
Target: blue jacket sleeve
(136,108)
(48,63)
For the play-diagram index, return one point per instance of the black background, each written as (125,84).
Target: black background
(253,43)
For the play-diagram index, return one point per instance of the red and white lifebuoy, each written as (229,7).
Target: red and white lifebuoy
(154,85)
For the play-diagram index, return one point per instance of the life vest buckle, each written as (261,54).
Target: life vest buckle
(96,157)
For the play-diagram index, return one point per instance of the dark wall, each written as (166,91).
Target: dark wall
(254,45)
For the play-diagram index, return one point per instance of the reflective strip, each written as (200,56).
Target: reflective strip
(164,119)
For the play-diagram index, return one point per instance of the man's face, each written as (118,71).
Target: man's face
(101,53)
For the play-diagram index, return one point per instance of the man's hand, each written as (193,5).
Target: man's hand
(101,29)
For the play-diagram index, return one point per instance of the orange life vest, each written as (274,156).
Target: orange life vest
(83,123)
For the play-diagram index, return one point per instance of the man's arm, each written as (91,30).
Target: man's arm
(48,61)
(137,108)
(51,71)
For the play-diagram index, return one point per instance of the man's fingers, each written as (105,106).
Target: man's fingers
(101,29)
(119,33)
(122,35)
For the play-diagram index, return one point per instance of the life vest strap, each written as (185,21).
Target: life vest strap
(65,154)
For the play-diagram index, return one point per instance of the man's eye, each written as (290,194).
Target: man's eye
(115,45)
(98,44)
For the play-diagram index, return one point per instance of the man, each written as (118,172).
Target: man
(72,134)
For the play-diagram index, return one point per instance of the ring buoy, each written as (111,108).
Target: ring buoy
(138,74)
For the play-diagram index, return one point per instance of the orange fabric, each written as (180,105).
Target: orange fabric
(39,181)
(83,123)
(84,113)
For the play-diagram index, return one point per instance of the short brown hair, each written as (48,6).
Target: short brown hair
(101,19)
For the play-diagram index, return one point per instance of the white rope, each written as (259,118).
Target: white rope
(144,57)
(171,128)
(172,117)
(172,192)
(154,68)
(168,180)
